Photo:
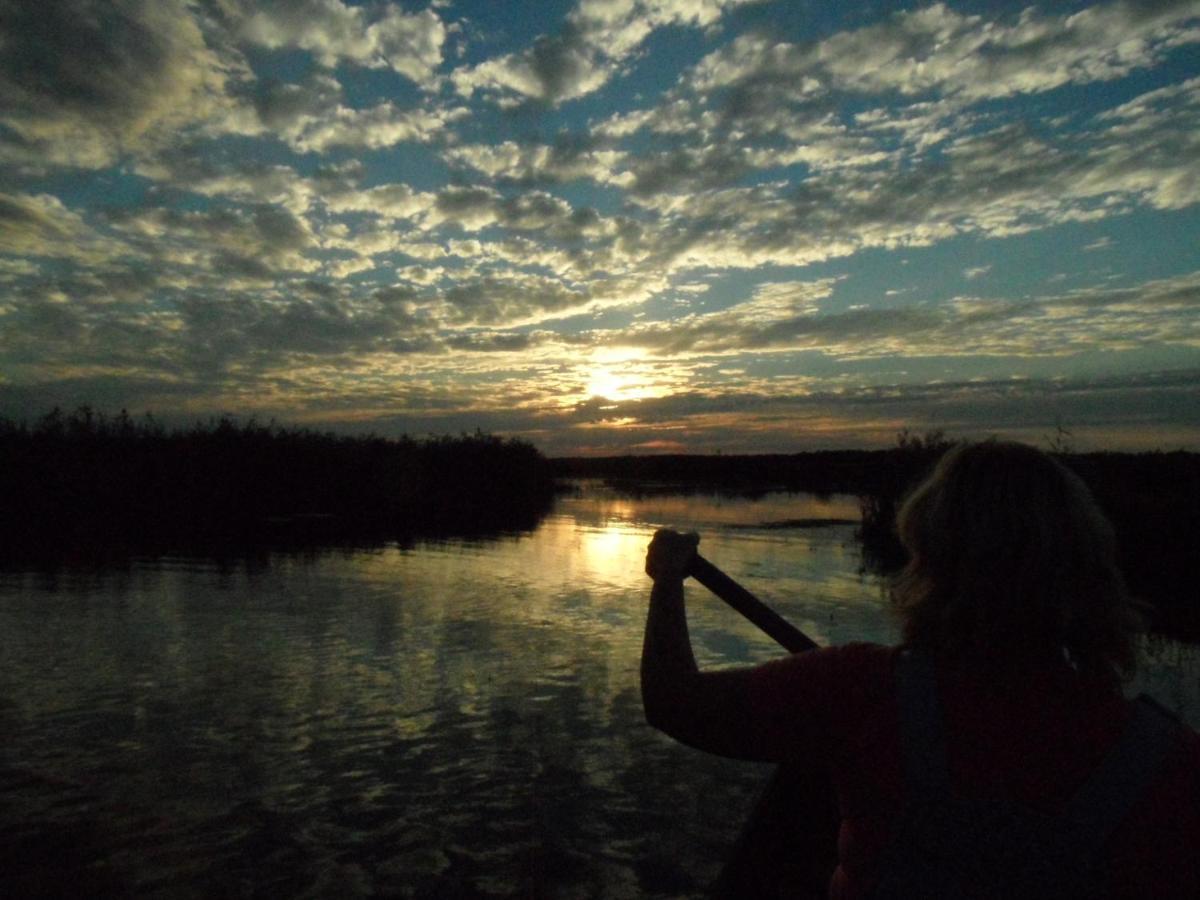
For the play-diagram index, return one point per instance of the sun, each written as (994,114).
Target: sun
(620,374)
(604,382)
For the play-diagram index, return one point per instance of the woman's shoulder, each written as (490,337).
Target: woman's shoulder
(857,656)
(867,658)
(856,672)
(835,687)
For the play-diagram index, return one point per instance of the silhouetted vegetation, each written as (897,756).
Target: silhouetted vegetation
(1152,499)
(913,457)
(82,483)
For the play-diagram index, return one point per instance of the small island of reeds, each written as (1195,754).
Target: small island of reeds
(81,484)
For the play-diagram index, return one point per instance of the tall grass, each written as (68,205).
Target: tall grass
(75,482)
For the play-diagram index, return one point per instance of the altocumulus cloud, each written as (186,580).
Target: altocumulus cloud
(736,224)
(82,81)
(410,44)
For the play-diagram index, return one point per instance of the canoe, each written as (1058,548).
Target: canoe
(788,846)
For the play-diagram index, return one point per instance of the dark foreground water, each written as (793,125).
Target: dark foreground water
(453,720)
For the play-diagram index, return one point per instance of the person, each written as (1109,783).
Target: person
(1013,607)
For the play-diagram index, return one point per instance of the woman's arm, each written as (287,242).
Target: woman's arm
(669,672)
(706,710)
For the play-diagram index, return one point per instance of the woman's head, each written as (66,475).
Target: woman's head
(1011,557)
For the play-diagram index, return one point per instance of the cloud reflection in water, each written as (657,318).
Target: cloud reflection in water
(459,717)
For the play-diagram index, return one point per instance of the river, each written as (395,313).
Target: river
(449,719)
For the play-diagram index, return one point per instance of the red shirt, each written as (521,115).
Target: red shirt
(1035,741)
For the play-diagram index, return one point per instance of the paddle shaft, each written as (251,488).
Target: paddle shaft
(796,818)
(770,622)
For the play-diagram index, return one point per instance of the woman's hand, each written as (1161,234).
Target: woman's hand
(670,554)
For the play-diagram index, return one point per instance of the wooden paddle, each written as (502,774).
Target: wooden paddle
(788,846)
(770,622)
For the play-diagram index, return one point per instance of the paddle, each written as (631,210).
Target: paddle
(788,846)
(770,622)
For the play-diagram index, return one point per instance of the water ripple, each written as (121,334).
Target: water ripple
(452,719)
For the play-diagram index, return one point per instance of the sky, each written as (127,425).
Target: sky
(608,226)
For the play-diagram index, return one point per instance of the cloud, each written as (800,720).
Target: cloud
(382,125)
(758,102)
(321,347)
(394,201)
(782,318)
(222,335)
(580,59)
(555,69)
(83,81)
(548,217)
(851,333)
(267,231)
(479,226)
(256,243)
(774,301)
(936,48)
(213,171)
(472,208)
(410,44)
(1149,146)
(288,106)
(311,117)
(35,224)
(61,325)
(301,324)
(510,300)
(1097,409)
(859,415)
(1006,180)
(492,342)
(542,164)
(40,226)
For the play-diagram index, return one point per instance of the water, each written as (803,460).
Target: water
(455,719)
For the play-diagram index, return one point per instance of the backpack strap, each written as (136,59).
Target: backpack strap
(1127,772)
(922,740)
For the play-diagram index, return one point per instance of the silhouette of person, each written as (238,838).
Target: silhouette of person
(1003,700)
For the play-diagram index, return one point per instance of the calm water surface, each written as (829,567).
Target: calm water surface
(456,719)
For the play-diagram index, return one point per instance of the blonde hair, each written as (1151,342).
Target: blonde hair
(1011,559)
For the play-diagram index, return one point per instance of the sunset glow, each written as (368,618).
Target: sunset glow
(657,225)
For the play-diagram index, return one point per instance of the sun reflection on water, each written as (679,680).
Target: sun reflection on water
(613,552)
(348,704)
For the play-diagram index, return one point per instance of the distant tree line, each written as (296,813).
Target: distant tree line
(82,482)
(1152,499)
